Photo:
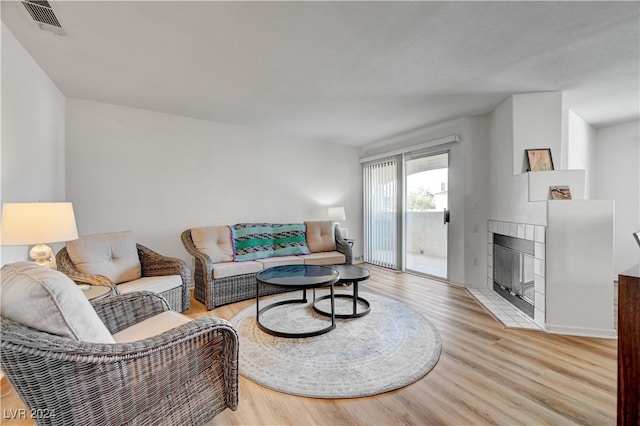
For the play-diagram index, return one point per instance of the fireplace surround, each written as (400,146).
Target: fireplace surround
(513,277)
(523,244)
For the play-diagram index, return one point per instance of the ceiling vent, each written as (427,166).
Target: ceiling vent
(44,16)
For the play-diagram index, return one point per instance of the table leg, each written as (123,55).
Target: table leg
(355,297)
(257,301)
(333,306)
(293,301)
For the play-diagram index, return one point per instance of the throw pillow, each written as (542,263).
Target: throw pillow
(47,300)
(320,236)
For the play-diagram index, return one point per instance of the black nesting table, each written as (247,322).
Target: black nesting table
(296,277)
(349,274)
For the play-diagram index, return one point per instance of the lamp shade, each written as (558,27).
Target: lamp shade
(337,213)
(37,223)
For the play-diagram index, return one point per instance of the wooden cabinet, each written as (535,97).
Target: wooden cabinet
(629,347)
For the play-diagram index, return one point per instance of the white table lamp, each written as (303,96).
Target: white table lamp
(337,214)
(38,223)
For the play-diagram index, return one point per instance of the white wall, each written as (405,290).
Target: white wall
(537,123)
(508,185)
(477,202)
(580,146)
(158,174)
(468,192)
(32,135)
(616,176)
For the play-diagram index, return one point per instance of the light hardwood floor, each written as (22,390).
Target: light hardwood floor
(487,374)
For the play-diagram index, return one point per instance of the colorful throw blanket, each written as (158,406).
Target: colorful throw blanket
(253,241)
(290,239)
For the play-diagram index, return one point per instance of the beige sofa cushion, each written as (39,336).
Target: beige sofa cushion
(112,254)
(47,300)
(214,241)
(150,327)
(152,284)
(320,236)
(231,269)
(324,258)
(281,260)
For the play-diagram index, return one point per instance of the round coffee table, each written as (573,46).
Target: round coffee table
(348,274)
(296,277)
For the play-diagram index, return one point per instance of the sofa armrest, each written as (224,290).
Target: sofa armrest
(187,242)
(203,274)
(343,247)
(154,264)
(125,310)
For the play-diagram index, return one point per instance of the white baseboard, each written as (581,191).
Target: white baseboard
(582,332)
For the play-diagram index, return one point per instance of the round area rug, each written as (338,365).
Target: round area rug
(389,348)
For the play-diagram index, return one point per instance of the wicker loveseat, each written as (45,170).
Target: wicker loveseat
(114,259)
(122,360)
(225,273)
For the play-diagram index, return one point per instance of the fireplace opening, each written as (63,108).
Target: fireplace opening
(513,271)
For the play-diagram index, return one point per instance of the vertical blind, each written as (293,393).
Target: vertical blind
(380,212)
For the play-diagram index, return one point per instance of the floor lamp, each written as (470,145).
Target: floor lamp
(38,223)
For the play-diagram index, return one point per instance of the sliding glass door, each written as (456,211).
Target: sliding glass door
(406,212)
(426,204)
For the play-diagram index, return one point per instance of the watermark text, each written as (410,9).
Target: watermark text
(25,413)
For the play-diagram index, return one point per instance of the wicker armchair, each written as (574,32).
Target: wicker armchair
(184,376)
(153,265)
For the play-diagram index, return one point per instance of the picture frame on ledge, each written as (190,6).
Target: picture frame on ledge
(560,192)
(539,160)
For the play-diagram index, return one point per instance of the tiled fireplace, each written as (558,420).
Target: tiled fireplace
(528,235)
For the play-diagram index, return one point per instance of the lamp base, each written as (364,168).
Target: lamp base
(42,254)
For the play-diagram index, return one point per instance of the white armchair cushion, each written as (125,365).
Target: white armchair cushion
(324,258)
(113,254)
(47,300)
(150,327)
(153,284)
(282,260)
(214,241)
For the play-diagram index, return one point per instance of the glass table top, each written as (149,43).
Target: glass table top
(298,276)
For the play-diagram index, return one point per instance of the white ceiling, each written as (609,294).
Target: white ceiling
(345,72)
